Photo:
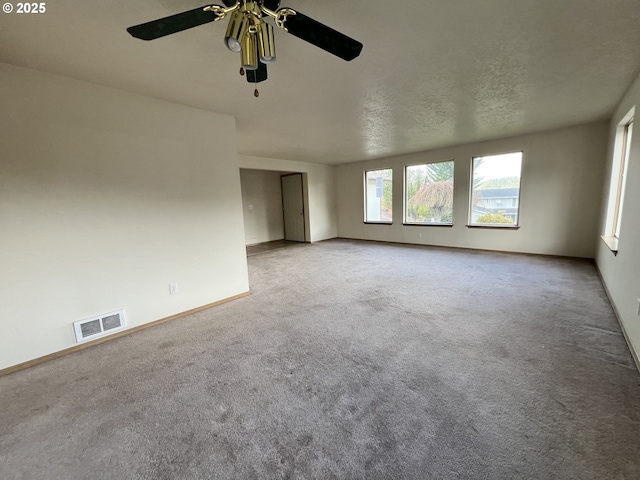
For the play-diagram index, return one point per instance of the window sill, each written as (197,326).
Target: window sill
(449,225)
(378,223)
(611,242)
(496,227)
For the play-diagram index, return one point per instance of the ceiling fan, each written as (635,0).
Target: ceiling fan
(250,35)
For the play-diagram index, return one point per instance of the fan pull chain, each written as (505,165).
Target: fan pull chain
(256,93)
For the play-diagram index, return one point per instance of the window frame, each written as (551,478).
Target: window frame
(499,226)
(405,200)
(622,177)
(617,186)
(366,204)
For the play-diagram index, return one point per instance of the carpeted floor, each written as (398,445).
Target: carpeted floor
(258,248)
(350,360)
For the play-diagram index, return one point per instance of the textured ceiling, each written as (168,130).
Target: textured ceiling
(432,73)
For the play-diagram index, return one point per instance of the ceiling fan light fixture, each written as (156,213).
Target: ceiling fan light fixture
(236,31)
(249,52)
(249,35)
(266,43)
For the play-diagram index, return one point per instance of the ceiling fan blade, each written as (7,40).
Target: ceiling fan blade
(320,35)
(271,4)
(259,75)
(172,24)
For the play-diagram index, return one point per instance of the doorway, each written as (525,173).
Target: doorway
(293,207)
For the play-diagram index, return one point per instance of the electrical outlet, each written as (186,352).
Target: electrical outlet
(419,235)
(639,307)
(173,288)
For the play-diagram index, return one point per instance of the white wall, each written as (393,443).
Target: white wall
(105,198)
(560,195)
(621,273)
(319,181)
(262,206)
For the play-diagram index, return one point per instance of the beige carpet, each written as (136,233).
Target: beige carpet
(350,360)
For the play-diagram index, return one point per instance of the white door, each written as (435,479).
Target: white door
(293,207)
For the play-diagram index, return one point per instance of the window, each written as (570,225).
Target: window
(378,196)
(621,152)
(622,176)
(495,190)
(429,194)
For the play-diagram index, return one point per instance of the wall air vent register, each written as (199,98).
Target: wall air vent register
(99,326)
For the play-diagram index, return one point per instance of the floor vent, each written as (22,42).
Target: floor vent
(94,327)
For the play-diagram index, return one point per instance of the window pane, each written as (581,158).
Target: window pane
(495,191)
(628,130)
(429,193)
(378,191)
(619,164)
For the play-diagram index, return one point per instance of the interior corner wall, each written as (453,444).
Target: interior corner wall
(262,206)
(621,273)
(559,201)
(319,182)
(106,197)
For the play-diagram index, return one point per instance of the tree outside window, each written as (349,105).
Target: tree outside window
(429,193)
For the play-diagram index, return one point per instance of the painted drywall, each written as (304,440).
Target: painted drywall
(106,198)
(560,195)
(621,272)
(261,205)
(319,183)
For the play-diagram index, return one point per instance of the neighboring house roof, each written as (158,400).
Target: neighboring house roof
(497,192)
